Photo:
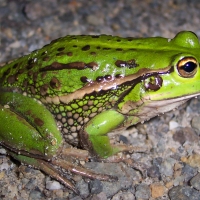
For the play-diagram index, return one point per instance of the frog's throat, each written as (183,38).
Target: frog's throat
(107,85)
(154,108)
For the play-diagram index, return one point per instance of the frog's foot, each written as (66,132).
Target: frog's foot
(130,148)
(101,146)
(75,153)
(141,167)
(48,168)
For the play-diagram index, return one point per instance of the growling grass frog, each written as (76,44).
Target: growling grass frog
(79,88)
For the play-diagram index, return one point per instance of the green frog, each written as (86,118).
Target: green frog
(77,89)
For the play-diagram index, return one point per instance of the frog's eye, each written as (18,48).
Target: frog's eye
(187,67)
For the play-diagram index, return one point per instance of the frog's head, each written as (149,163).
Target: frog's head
(159,90)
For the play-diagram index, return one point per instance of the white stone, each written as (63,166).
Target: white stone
(173,125)
(53,185)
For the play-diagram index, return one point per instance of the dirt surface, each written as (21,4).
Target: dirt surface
(173,162)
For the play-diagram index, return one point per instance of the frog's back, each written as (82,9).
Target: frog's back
(69,63)
(68,58)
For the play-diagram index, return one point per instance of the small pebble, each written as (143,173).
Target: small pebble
(95,186)
(193,160)
(123,196)
(189,172)
(35,194)
(142,192)
(157,190)
(173,125)
(195,123)
(100,196)
(4,166)
(195,181)
(184,193)
(53,185)
(153,172)
(167,166)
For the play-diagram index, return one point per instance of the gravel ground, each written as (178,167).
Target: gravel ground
(173,163)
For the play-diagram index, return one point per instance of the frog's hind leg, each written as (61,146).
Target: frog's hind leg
(47,167)
(82,171)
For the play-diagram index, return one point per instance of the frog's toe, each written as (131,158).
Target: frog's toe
(75,153)
(50,170)
(120,157)
(131,149)
(82,171)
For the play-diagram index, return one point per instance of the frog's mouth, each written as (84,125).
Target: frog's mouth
(147,108)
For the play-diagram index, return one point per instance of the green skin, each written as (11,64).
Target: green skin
(91,85)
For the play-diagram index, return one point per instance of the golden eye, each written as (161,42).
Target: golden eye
(187,67)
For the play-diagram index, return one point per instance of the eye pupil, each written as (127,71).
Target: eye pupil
(189,66)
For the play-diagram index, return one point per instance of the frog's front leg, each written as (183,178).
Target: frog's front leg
(94,135)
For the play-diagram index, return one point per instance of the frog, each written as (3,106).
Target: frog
(71,93)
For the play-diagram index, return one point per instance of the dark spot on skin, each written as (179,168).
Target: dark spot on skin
(153,83)
(44,53)
(46,58)
(61,49)
(75,46)
(60,54)
(93,53)
(30,61)
(86,48)
(92,65)
(35,75)
(30,73)
(7,72)
(11,79)
(43,75)
(106,48)
(32,88)
(95,36)
(55,83)
(98,47)
(29,66)
(84,79)
(128,64)
(44,89)
(69,53)
(39,122)
(130,39)
(15,65)
(25,83)
(21,71)
(73,65)
(100,79)
(133,49)
(119,49)
(118,76)
(60,66)
(108,77)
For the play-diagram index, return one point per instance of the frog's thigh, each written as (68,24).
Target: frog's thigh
(94,136)
(27,125)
